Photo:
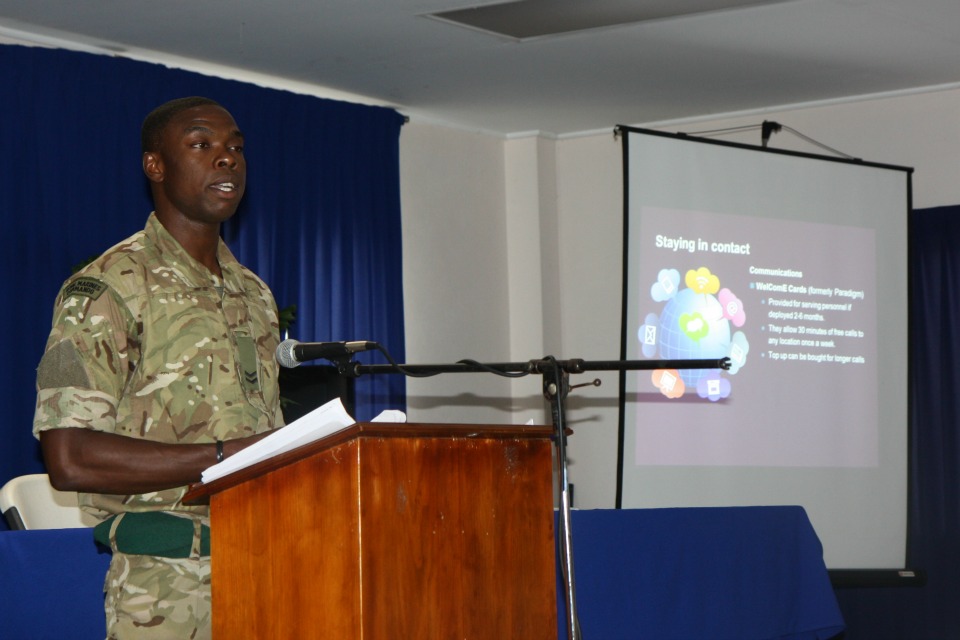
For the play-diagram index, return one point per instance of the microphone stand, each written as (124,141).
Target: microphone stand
(556,387)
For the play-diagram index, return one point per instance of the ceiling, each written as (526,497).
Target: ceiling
(711,62)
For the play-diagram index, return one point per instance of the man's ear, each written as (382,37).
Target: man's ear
(153,166)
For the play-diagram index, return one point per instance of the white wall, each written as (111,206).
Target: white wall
(590,188)
(572,189)
(456,297)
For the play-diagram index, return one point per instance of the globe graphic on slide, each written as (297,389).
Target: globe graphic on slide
(696,310)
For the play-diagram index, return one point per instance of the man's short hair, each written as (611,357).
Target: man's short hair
(157,120)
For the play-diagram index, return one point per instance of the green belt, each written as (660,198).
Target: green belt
(152,533)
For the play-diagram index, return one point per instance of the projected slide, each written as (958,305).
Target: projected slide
(795,267)
(791,306)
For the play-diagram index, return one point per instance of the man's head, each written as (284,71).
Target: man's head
(193,156)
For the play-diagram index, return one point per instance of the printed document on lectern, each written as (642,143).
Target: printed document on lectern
(319,423)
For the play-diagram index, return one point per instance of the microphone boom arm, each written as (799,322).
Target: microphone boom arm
(529,367)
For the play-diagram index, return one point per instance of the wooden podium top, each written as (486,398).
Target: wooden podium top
(200,492)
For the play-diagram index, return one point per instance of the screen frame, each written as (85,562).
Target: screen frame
(848,577)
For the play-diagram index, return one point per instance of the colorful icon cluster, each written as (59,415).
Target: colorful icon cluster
(698,321)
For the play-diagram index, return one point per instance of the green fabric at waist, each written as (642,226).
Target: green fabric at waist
(152,533)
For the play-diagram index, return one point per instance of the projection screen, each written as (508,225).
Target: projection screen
(795,267)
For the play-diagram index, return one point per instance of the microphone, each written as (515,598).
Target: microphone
(292,353)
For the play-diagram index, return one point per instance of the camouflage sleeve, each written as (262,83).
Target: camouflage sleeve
(89,355)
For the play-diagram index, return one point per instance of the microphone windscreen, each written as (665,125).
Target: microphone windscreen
(285,355)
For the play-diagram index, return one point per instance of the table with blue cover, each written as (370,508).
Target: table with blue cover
(660,574)
(731,573)
(51,585)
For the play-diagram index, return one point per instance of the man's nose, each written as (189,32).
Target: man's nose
(226,159)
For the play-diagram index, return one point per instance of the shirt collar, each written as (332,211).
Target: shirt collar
(187,265)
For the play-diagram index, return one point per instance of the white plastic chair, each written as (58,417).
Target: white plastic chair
(29,502)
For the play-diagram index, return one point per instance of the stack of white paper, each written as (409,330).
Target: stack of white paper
(319,423)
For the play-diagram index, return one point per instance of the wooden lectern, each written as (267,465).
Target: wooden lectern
(389,531)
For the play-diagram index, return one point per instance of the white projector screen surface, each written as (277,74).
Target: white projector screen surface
(795,267)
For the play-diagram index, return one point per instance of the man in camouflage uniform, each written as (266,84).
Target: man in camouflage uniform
(160,363)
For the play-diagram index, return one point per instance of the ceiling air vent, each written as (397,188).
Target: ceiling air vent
(539,18)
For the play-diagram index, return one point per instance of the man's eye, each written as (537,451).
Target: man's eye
(237,148)
(198,145)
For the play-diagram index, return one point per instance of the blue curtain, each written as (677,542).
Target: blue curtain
(320,221)
(929,612)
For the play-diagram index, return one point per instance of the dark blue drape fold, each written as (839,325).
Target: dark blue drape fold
(929,612)
(320,221)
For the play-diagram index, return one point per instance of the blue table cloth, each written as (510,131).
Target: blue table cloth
(732,573)
(653,574)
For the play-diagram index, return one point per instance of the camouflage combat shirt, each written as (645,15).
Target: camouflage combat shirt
(148,343)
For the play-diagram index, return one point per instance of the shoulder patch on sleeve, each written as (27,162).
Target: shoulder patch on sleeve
(86,287)
(61,367)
